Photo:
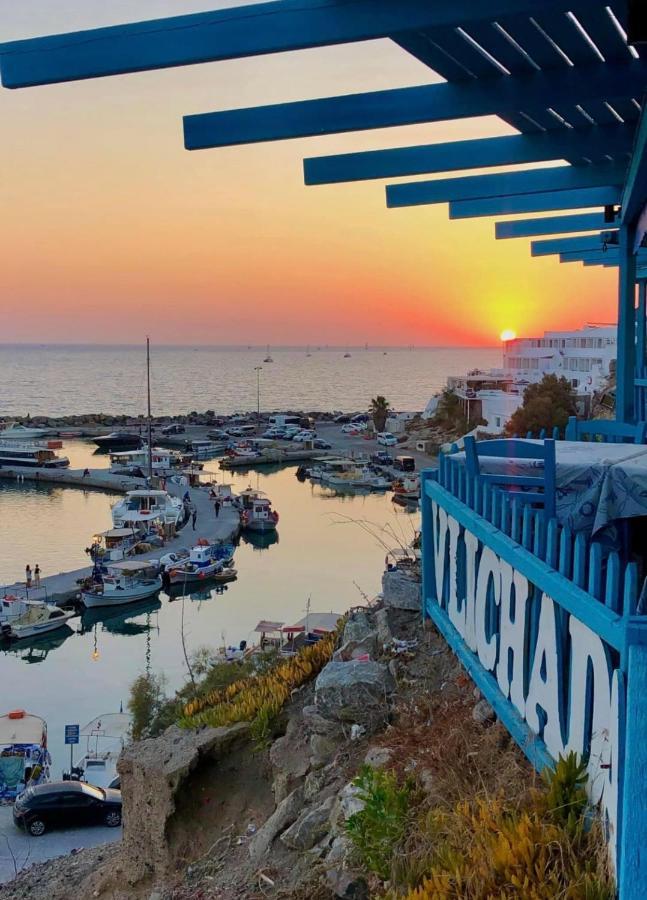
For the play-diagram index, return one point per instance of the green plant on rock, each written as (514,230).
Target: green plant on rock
(377,830)
(144,702)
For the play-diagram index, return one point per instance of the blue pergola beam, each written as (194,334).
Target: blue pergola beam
(533,181)
(522,228)
(531,203)
(566,245)
(412,105)
(455,155)
(250,30)
(634,196)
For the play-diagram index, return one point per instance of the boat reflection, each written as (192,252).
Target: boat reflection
(206,591)
(117,620)
(37,649)
(260,540)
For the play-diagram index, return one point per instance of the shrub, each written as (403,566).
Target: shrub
(146,696)
(546,404)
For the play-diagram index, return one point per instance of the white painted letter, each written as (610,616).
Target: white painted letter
(512,635)
(543,689)
(489,565)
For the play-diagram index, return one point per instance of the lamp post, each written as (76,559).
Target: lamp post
(258,370)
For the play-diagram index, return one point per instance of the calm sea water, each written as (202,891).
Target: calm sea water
(330,549)
(57,380)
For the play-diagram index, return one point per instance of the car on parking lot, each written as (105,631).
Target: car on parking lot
(305,435)
(175,428)
(382,458)
(351,428)
(342,419)
(275,434)
(66,804)
(386,438)
(320,444)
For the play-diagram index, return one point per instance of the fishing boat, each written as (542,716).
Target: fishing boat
(21,618)
(407,489)
(30,455)
(116,544)
(268,358)
(137,462)
(257,513)
(24,758)
(205,560)
(104,738)
(145,506)
(119,440)
(124,582)
(12,431)
(205,449)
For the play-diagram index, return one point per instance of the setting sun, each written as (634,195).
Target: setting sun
(508,335)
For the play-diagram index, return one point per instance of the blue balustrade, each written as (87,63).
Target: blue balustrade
(607,431)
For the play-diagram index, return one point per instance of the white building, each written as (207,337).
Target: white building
(585,357)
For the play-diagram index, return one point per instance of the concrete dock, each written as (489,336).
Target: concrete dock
(63,588)
(101,479)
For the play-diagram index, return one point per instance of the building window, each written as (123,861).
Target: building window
(498,421)
(574,382)
(584,365)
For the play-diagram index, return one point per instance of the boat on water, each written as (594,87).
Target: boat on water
(29,455)
(268,357)
(116,544)
(24,758)
(12,431)
(138,462)
(22,618)
(104,738)
(205,560)
(407,489)
(124,582)
(145,507)
(119,440)
(257,513)
(121,620)
(205,449)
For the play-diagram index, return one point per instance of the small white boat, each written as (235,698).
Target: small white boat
(12,431)
(257,513)
(115,544)
(104,737)
(124,582)
(20,618)
(143,507)
(205,449)
(163,461)
(24,759)
(198,563)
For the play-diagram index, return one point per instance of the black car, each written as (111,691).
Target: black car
(66,804)
(320,444)
(175,428)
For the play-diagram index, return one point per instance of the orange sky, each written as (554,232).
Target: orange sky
(111,230)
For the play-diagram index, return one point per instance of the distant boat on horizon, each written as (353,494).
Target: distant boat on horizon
(268,358)
(346,355)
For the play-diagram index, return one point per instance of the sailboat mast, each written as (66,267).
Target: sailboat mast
(148,394)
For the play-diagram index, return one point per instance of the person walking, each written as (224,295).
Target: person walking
(216,506)
(37,576)
(194,516)
(28,575)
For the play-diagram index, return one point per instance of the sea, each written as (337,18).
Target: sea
(329,549)
(57,380)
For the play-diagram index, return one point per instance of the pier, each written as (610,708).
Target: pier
(100,479)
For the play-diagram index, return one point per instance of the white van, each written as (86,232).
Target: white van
(282,421)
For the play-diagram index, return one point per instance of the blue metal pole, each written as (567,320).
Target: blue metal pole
(625,367)
(640,349)
(633,821)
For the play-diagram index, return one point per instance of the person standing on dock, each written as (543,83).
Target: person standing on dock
(194,516)
(216,506)
(37,576)
(28,575)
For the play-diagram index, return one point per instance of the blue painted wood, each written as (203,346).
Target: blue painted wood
(630,592)
(595,570)
(427,559)
(552,544)
(566,245)
(580,556)
(605,430)
(576,601)
(454,155)
(626,361)
(550,225)
(635,192)
(533,181)
(565,552)
(411,105)
(612,594)
(633,835)
(228,34)
(542,202)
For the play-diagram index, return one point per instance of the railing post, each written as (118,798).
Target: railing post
(626,356)
(633,816)
(427,542)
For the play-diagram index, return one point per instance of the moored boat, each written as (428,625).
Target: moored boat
(12,431)
(205,560)
(24,758)
(29,455)
(139,462)
(105,737)
(21,618)
(144,507)
(257,513)
(119,440)
(124,582)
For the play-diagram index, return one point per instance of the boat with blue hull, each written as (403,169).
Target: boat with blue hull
(24,758)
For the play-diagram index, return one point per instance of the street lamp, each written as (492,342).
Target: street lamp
(258,370)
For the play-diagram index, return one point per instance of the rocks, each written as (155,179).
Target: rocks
(401,591)
(378,757)
(284,815)
(348,803)
(384,633)
(359,638)
(290,762)
(322,750)
(310,827)
(314,784)
(354,692)
(483,714)
(341,879)
(357,627)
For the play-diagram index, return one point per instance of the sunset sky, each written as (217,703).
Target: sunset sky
(111,230)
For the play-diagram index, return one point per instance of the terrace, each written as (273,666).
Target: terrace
(542,602)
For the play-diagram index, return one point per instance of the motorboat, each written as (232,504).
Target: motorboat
(124,582)
(375,482)
(205,560)
(205,449)
(145,506)
(257,513)
(407,489)
(116,544)
(268,357)
(29,455)
(13,431)
(136,462)
(24,758)
(119,440)
(104,738)
(21,618)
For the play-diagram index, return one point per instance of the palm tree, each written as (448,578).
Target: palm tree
(379,411)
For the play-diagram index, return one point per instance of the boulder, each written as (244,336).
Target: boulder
(345,883)
(357,627)
(354,692)
(318,724)
(483,714)
(378,757)
(400,591)
(283,816)
(310,827)
(384,633)
(289,756)
(348,803)
(322,750)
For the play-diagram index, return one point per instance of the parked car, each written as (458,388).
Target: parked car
(275,434)
(175,428)
(217,434)
(70,804)
(320,444)
(361,417)
(350,428)
(305,435)
(382,458)
(386,438)
(290,431)
(405,463)
(342,420)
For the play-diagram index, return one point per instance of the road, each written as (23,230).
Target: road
(19,850)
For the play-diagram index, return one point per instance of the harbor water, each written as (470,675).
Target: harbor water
(329,553)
